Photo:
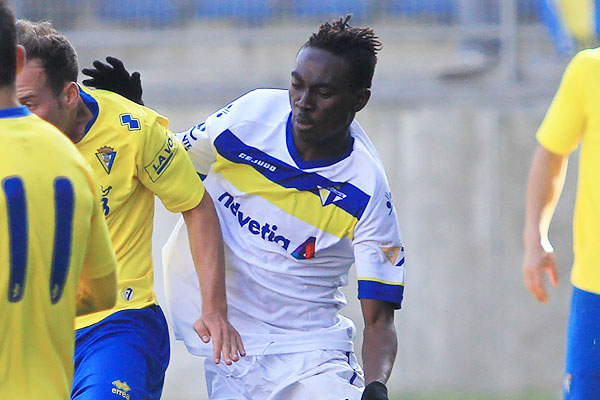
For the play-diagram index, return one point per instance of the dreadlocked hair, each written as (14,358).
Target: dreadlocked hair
(359,46)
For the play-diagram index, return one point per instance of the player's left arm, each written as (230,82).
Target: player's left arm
(206,245)
(379,259)
(380,345)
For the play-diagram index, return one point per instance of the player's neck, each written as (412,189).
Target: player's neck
(8,97)
(329,149)
(76,128)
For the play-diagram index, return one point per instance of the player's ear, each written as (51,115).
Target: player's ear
(361,99)
(71,94)
(20,58)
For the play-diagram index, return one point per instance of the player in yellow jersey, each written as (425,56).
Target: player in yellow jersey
(571,121)
(124,352)
(56,258)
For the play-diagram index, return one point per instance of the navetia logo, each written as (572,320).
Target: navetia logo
(267,231)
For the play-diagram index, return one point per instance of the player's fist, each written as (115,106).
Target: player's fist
(115,78)
(375,391)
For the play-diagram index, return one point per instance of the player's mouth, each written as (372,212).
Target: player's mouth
(303,123)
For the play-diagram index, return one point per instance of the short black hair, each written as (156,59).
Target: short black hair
(8,46)
(57,55)
(359,46)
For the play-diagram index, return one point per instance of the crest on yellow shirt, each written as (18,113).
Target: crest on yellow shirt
(106,155)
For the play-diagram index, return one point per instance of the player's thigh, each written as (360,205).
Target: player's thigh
(123,356)
(582,372)
(225,382)
(323,375)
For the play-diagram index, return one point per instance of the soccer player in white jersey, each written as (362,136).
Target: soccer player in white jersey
(301,195)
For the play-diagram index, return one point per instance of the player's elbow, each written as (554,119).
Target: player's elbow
(107,292)
(96,294)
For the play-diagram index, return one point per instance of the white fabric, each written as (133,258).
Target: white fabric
(274,298)
(322,375)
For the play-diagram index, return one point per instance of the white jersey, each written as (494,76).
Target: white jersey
(291,228)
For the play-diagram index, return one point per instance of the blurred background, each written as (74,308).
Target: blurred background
(459,91)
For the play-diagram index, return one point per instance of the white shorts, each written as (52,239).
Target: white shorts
(321,374)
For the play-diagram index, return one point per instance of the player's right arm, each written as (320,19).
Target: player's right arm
(97,287)
(544,185)
(558,135)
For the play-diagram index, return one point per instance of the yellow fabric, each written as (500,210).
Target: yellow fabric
(578,16)
(133,162)
(302,204)
(37,337)
(573,119)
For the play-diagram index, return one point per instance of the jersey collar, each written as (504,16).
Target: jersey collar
(92,105)
(14,112)
(314,163)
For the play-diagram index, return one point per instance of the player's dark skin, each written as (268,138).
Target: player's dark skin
(323,103)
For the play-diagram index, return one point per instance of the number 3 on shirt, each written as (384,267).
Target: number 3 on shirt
(16,206)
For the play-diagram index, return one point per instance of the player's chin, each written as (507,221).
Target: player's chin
(309,134)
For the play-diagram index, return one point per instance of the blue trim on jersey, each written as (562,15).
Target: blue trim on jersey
(289,138)
(233,149)
(14,112)
(582,377)
(92,105)
(380,291)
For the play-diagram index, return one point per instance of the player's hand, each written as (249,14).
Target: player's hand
(226,340)
(536,261)
(375,391)
(115,78)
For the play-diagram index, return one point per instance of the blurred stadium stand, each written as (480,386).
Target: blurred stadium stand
(160,13)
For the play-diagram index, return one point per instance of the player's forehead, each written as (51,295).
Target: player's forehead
(320,66)
(32,78)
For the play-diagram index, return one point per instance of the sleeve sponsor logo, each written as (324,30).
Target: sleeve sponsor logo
(224,111)
(388,202)
(395,255)
(162,159)
(189,136)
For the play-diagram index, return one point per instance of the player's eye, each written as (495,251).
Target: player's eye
(325,94)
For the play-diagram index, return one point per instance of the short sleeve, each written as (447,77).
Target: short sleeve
(565,121)
(198,144)
(166,170)
(100,259)
(379,251)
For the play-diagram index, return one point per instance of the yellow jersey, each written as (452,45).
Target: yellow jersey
(134,156)
(51,227)
(574,119)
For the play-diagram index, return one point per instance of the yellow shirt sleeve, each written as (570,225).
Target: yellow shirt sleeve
(100,259)
(166,169)
(565,121)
